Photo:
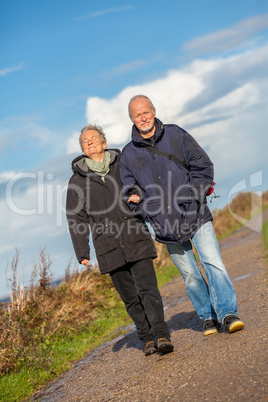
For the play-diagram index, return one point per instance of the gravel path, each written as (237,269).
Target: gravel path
(220,367)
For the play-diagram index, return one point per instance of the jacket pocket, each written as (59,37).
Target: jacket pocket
(164,221)
(104,244)
(189,208)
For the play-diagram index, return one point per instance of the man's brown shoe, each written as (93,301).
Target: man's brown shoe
(164,346)
(149,348)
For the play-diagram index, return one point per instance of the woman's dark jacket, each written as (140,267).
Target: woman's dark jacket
(173,197)
(118,236)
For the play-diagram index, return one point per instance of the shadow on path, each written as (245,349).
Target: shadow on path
(176,323)
(184,320)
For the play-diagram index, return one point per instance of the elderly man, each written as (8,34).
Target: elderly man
(124,247)
(171,176)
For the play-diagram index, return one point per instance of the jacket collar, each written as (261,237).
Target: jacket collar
(139,140)
(79,165)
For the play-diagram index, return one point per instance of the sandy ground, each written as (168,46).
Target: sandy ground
(220,367)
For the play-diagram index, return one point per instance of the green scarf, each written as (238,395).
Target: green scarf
(100,168)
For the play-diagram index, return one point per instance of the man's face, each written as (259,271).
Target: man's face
(93,144)
(143,116)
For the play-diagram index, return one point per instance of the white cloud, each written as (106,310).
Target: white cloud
(73,143)
(103,12)
(9,70)
(25,127)
(5,176)
(228,38)
(112,114)
(116,119)
(21,134)
(125,68)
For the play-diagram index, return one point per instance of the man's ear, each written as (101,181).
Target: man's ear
(105,145)
(154,112)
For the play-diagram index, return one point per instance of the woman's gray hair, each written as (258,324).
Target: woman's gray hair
(140,96)
(92,127)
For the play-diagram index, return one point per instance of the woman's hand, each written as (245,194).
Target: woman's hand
(85,262)
(134,198)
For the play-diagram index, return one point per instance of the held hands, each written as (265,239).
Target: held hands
(134,198)
(85,262)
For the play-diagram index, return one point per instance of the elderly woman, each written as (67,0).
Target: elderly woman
(123,245)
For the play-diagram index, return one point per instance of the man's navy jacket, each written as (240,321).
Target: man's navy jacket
(173,198)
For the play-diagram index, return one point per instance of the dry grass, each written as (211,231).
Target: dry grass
(41,312)
(163,258)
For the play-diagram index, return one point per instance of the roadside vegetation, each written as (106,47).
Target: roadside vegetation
(44,328)
(244,206)
(265,237)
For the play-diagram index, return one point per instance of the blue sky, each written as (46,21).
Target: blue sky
(64,64)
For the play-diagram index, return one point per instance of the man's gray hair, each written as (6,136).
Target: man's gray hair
(140,96)
(92,127)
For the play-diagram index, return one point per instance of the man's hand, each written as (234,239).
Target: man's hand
(134,198)
(85,262)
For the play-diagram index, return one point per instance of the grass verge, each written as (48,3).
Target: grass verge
(60,353)
(166,274)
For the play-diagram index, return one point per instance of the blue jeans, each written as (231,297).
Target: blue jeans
(217,299)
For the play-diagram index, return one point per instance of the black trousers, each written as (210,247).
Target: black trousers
(136,284)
